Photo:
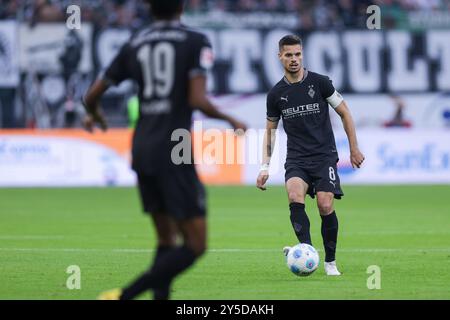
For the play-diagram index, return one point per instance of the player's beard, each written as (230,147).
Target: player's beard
(289,70)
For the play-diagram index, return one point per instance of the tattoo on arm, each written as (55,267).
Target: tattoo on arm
(269,139)
(269,149)
(269,144)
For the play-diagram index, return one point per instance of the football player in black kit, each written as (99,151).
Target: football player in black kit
(301,99)
(169,62)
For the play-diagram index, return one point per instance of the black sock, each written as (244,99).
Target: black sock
(300,222)
(168,267)
(329,235)
(163,292)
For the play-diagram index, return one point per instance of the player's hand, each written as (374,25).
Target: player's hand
(91,119)
(238,126)
(356,158)
(262,179)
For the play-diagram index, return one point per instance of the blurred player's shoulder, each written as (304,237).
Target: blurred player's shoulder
(196,36)
(192,30)
(167,30)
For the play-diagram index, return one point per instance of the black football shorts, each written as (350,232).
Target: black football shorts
(176,191)
(319,175)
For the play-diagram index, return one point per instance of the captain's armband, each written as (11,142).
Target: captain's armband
(335,99)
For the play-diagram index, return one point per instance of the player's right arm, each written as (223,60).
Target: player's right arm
(114,74)
(91,103)
(273,116)
(268,145)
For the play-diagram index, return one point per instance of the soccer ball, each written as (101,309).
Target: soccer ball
(302,259)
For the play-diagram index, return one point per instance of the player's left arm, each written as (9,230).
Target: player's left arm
(198,100)
(356,156)
(201,61)
(336,101)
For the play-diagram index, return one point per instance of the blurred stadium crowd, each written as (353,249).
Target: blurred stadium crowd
(27,94)
(312,14)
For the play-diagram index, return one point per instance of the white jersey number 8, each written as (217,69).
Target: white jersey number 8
(332,174)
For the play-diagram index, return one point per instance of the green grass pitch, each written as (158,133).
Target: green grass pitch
(405,230)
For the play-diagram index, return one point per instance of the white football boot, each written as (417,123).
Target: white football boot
(286,251)
(331,269)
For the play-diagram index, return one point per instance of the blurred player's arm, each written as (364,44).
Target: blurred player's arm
(115,73)
(91,102)
(199,100)
(268,145)
(356,157)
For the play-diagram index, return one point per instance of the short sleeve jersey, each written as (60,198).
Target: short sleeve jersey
(305,113)
(160,59)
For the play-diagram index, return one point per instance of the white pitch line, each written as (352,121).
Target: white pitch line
(54,250)
(395,233)
(344,234)
(31,237)
(226,250)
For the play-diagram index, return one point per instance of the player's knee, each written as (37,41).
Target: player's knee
(197,243)
(325,206)
(167,240)
(166,237)
(198,247)
(201,250)
(295,196)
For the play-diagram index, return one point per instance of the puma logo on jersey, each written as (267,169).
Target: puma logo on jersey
(284,99)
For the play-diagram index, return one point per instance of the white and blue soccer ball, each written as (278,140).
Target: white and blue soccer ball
(302,259)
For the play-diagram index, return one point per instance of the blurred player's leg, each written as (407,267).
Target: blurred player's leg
(166,232)
(296,189)
(194,234)
(173,262)
(166,229)
(329,230)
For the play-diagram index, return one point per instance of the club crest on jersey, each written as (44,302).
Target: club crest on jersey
(206,58)
(311,91)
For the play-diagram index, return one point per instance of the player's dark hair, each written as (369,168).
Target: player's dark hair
(289,40)
(165,9)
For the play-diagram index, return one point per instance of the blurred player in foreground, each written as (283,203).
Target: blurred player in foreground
(169,62)
(301,98)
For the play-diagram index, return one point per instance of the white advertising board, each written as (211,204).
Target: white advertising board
(393,156)
(60,161)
